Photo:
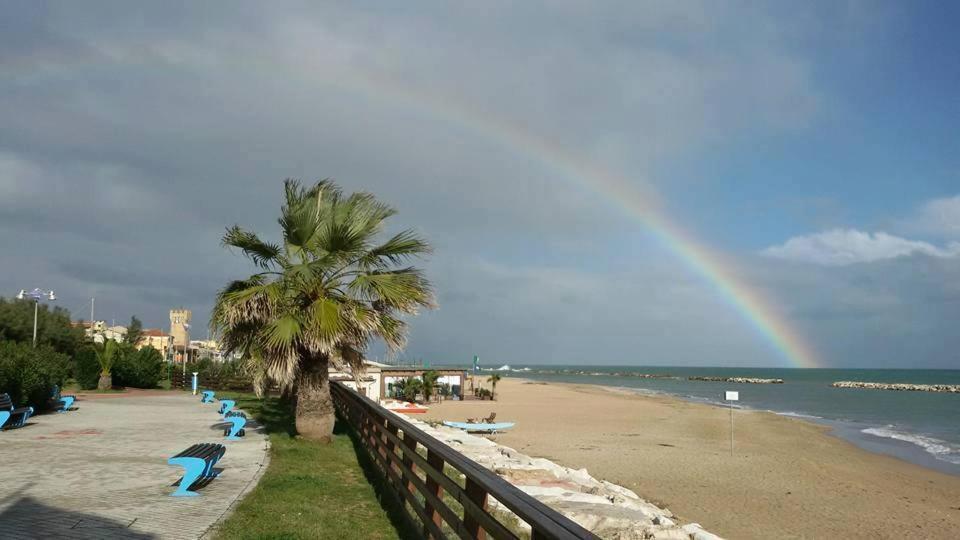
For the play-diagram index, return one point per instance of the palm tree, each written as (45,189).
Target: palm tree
(411,387)
(106,356)
(429,383)
(493,380)
(322,294)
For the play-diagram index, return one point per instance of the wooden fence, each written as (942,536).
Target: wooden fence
(444,492)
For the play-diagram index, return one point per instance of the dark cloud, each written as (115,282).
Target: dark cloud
(131,136)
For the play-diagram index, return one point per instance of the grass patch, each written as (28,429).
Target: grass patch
(313,490)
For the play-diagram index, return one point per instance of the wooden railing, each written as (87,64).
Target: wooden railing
(444,492)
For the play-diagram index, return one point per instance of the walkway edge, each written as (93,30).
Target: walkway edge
(211,531)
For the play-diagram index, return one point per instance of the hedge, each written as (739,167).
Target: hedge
(28,374)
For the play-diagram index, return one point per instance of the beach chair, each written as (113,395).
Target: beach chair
(10,416)
(61,403)
(481,420)
(207,396)
(197,462)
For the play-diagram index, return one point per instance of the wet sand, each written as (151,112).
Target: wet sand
(787,478)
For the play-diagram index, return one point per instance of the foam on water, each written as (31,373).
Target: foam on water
(793,414)
(941,450)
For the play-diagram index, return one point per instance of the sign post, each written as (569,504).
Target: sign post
(730,397)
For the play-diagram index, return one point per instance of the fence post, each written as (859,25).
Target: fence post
(478,496)
(433,487)
(410,443)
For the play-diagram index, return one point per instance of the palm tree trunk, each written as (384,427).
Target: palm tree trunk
(105,382)
(315,413)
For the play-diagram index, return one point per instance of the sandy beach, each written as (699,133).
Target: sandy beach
(788,478)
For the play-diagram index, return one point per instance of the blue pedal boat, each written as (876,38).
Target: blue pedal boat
(480,428)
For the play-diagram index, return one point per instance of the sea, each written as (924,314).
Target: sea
(920,427)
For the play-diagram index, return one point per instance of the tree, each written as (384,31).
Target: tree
(53,326)
(323,293)
(411,387)
(493,380)
(134,331)
(429,384)
(106,356)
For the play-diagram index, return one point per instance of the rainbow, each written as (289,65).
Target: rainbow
(638,204)
(634,201)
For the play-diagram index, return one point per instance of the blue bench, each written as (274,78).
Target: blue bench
(237,421)
(226,405)
(63,403)
(11,417)
(207,396)
(197,462)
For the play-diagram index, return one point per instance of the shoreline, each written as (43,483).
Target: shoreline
(789,476)
(847,431)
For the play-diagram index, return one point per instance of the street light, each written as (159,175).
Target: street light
(186,343)
(36,295)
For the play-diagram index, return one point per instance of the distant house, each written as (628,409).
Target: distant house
(156,338)
(209,348)
(378,379)
(99,332)
(369,382)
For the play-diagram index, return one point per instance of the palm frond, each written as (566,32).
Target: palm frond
(399,249)
(263,254)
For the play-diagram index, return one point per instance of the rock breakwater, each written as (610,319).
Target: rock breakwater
(605,373)
(901,387)
(742,380)
(608,510)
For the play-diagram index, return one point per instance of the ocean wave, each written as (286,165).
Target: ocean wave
(793,414)
(942,450)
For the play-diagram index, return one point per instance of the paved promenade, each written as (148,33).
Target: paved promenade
(101,471)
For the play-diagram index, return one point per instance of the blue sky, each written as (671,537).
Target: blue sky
(814,145)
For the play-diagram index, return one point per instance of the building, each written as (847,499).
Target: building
(180,331)
(206,349)
(370,381)
(389,375)
(99,332)
(158,339)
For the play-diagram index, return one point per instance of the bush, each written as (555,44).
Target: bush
(86,369)
(226,375)
(28,374)
(138,369)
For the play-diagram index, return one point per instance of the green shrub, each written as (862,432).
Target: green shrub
(86,369)
(219,375)
(28,374)
(138,369)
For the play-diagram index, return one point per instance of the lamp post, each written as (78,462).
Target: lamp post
(186,343)
(36,295)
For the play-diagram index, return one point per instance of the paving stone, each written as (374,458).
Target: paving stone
(101,471)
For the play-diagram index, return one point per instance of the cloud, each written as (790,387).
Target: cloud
(841,247)
(126,148)
(938,216)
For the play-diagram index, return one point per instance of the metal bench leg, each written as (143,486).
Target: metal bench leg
(67,403)
(24,417)
(238,423)
(193,469)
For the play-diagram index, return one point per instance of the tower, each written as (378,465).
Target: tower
(180,330)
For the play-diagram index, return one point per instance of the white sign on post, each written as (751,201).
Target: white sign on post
(731,396)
